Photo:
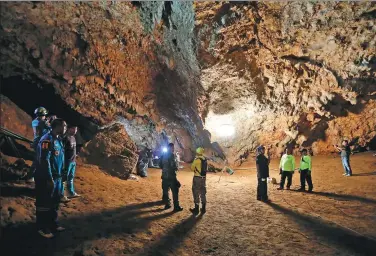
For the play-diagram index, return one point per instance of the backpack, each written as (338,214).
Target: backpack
(204,166)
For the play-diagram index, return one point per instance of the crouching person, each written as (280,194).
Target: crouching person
(199,168)
(262,166)
(48,183)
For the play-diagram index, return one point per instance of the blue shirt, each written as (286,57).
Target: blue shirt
(50,153)
(40,128)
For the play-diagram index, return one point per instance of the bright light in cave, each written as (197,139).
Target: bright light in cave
(220,126)
(226,130)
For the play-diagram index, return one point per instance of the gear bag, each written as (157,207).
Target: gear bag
(204,167)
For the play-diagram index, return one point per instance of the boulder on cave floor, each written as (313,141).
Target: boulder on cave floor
(15,171)
(113,151)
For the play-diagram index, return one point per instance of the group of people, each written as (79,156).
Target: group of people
(54,166)
(287,169)
(55,162)
(169,164)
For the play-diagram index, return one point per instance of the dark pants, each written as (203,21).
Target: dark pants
(168,184)
(305,175)
(262,189)
(47,203)
(283,179)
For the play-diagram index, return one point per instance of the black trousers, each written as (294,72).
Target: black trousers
(283,179)
(47,203)
(262,189)
(174,185)
(305,175)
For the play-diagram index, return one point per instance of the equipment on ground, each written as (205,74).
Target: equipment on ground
(9,137)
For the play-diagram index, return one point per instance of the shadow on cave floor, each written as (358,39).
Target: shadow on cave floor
(330,232)
(24,240)
(365,174)
(9,190)
(173,239)
(341,197)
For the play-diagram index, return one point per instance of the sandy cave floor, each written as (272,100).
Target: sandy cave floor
(117,217)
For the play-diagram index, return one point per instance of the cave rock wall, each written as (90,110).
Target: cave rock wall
(288,73)
(109,59)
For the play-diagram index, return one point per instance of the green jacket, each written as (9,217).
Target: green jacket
(287,163)
(305,163)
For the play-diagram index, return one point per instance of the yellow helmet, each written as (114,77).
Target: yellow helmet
(200,151)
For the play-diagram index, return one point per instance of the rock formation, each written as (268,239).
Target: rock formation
(112,150)
(300,74)
(108,60)
(289,73)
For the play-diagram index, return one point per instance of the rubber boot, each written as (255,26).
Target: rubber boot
(203,209)
(195,210)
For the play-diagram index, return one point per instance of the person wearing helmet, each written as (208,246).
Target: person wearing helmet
(199,168)
(40,127)
(169,167)
(262,166)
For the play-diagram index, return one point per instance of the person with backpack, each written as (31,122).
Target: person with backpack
(305,169)
(286,168)
(262,166)
(199,168)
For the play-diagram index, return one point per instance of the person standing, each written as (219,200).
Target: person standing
(262,166)
(48,183)
(305,169)
(70,160)
(345,157)
(169,180)
(40,127)
(199,168)
(286,168)
(149,154)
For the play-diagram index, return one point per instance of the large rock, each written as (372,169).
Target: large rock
(112,150)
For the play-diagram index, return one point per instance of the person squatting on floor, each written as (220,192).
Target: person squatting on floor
(40,127)
(262,166)
(48,183)
(305,169)
(70,160)
(345,157)
(286,168)
(169,180)
(199,168)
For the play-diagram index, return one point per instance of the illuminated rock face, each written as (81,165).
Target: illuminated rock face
(300,74)
(293,73)
(110,59)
